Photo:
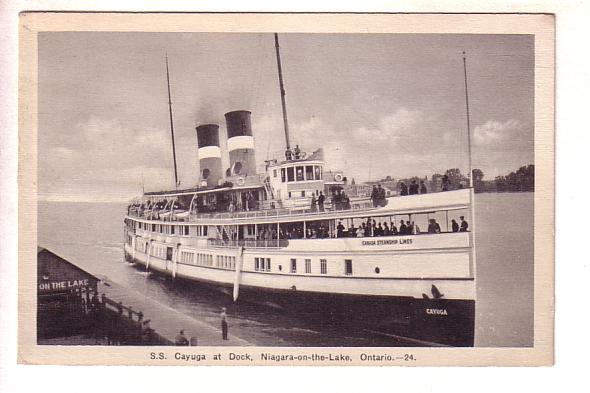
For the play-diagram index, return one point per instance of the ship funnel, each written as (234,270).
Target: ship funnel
(240,143)
(209,154)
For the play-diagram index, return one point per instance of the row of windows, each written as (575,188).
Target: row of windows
(184,230)
(300,173)
(226,262)
(263,265)
(323,266)
(197,259)
(158,252)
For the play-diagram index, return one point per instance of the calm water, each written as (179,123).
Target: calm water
(91,235)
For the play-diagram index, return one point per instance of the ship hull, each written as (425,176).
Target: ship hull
(406,321)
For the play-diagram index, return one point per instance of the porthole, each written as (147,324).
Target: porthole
(377,270)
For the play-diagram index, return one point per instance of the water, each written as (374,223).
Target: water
(91,235)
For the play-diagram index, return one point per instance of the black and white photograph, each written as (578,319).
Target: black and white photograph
(284,189)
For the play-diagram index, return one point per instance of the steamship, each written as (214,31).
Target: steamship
(285,235)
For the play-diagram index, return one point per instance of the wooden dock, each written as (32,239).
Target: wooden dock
(168,322)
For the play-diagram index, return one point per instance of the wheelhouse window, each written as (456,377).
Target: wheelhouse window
(299,172)
(293,265)
(348,267)
(318,172)
(283,176)
(186,230)
(290,174)
(309,172)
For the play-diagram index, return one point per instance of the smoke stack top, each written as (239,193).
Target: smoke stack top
(209,154)
(208,135)
(240,143)
(238,123)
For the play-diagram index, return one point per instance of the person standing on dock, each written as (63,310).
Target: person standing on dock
(223,316)
(181,339)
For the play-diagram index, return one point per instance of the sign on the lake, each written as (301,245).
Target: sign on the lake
(313,189)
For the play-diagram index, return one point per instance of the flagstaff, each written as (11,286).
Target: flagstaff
(286,123)
(171,124)
(468,122)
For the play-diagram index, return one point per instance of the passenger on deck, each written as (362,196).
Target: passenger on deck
(413,188)
(297,152)
(393,229)
(386,230)
(361,230)
(368,229)
(381,196)
(410,228)
(464,224)
(454,225)
(340,230)
(423,189)
(415,228)
(314,207)
(402,228)
(321,200)
(345,201)
(288,155)
(379,230)
(352,231)
(375,196)
(433,227)
(403,189)
(446,183)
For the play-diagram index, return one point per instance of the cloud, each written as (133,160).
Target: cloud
(493,131)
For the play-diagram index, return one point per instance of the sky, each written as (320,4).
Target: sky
(378,104)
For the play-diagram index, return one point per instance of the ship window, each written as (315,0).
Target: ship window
(186,230)
(308,266)
(309,172)
(318,172)
(348,267)
(153,227)
(257,264)
(290,174)
(274,173)
(172,229)
(323,266)
(299,172)
(293,265)
(204,231)
(283,179)
(268,264)
(302,193)
(289,194)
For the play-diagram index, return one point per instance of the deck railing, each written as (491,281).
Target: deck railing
(271,243)
(362,204)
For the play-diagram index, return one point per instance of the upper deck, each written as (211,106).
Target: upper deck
(362,207)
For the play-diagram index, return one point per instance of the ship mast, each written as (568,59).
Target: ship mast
(468,122)
(471,187)
(171,124)
(286,123)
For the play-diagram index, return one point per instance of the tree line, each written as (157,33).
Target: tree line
(521,180)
